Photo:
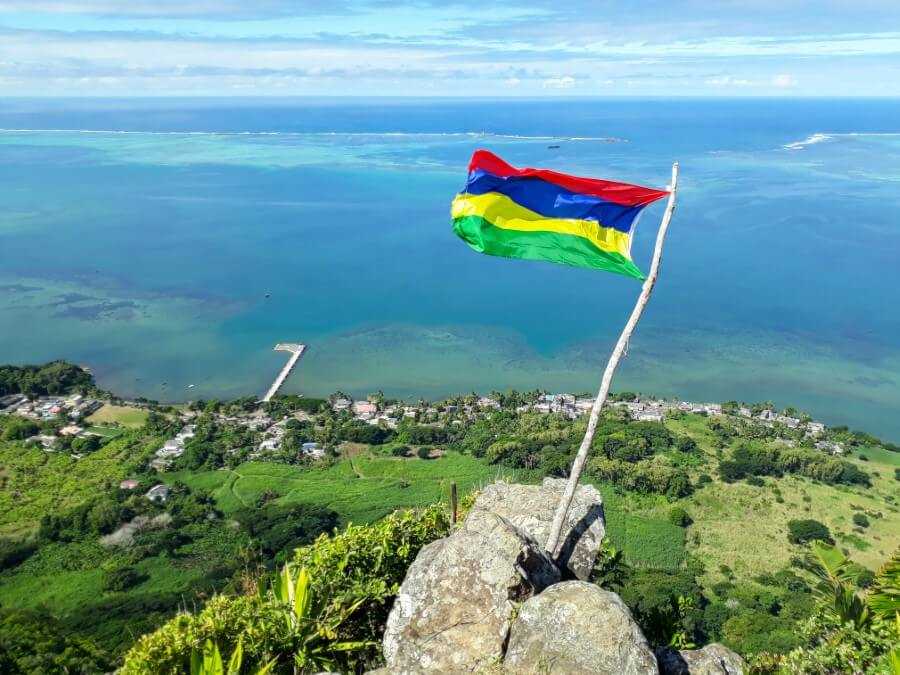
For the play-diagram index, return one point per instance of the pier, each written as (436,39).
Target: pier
(296,349)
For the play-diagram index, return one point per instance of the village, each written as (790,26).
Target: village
(68,414)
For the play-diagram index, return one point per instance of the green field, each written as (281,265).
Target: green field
(360,490)
(128,417)
(34,483)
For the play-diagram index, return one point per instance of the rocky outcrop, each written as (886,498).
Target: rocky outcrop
(576,627)
(453,611)
(714,659)
(531,508)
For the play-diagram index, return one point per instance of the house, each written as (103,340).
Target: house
(713,409)
(787,421)
(341,404)
(270,444)
(313,450)
(767,415)
(160,464)
(487,402)
(364,408)
(649,416)
(71,430)
(128,484)
(830,447)
(745,412)
(158,493)
(813,428)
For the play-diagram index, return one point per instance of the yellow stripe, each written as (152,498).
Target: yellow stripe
(503,212)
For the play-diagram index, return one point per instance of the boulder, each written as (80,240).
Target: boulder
(714,659)
(576,627)
(453,611)
(531,508)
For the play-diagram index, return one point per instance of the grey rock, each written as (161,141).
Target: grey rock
(577,628)
(531,508)
(453,611)
(714,659)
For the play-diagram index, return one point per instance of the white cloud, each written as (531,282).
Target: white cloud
(728,81)
(784,81)
(564,82)
(512,82)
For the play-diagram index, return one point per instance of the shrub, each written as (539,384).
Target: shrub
(423,452)
(704,479)
(860,520)
(277,527)
(121,579)
(804,531)
(360,567)
(14,552)
(678,516)
(755,481)
(399,450)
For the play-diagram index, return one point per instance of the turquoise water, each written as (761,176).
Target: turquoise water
(142,238)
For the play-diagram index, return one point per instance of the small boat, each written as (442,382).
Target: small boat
(553,147)
(268,295)
(191,386)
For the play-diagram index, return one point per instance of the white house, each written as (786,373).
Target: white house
(158,493)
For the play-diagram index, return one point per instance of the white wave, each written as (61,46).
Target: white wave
(809,140)
(821,138)
(334,134)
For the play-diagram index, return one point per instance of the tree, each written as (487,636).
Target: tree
(804,531)
(19,428)
(860,520)
(423,452)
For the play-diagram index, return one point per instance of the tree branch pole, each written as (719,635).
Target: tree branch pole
(621,346)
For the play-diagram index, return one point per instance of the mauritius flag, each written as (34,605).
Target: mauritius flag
(539,214)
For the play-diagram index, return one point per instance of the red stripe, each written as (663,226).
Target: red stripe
(619,193)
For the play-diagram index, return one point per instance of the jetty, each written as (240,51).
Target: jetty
(296,349)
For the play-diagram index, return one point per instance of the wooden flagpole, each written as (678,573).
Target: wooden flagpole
(621,346)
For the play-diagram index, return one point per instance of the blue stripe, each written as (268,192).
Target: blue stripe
(553,201)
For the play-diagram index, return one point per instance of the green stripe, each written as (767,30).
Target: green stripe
(566,249)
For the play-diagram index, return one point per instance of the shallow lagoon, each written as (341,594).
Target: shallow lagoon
(148,255)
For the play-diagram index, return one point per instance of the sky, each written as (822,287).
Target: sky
(534,48)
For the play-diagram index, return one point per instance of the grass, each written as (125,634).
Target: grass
(34,483)
(126,416)
(361,490)
(745,527)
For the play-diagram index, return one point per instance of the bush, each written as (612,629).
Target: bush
(423,452)
(121,579)
(14,552)
(860,520)
(678,516)
(362,564)
(19,428)
(277,528)
(755,481)
(805,531)
(399,450)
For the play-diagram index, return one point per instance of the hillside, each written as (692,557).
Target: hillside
(697,506)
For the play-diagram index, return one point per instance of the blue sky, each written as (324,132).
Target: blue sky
(431,47)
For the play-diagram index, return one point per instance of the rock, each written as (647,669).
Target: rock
(714,659)
(531,508)
(453,611)
(576,627)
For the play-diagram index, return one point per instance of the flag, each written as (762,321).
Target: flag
(538,214)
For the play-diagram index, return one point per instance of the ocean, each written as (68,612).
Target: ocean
(169,243)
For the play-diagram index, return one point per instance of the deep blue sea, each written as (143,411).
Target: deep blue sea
(168,243)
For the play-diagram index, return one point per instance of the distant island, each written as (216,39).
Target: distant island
(118,515)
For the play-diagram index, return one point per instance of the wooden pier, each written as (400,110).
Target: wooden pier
(296,349)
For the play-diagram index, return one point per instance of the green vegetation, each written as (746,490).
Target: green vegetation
(697,558)
(51,379)
(352,577)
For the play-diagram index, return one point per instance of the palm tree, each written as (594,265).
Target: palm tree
(836,587)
